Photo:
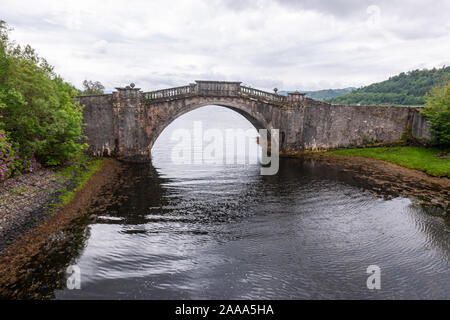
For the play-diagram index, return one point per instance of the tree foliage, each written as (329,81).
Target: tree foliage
(407,88)
(37,108)
(93,87)
(437,110)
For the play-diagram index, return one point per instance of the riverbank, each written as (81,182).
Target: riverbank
(433,161)
(23,199)
(28,200)
(60,208)
(388,179)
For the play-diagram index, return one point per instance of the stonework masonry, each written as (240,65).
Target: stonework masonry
(126,123)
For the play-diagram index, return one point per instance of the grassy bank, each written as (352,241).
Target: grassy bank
(78,172)
(429,160)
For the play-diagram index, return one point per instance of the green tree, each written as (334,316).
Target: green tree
(38,109)
(437,110)
(93,87)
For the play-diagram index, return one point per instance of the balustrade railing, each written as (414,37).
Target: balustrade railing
(214,89)
(263,95)
(169,93)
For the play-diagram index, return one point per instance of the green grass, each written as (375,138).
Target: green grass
(420,158)
(80,171)
(18,191)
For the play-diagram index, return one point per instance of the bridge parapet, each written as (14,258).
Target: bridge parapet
(221,88)
(218,88)
(263,95)
(170,93)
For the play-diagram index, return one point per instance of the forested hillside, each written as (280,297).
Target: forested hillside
(327,93)
(404,89)
(322,94)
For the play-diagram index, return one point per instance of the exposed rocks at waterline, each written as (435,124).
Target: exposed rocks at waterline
(387,179)
(23,202)
(21,263)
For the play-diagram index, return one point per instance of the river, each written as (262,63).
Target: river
(221,231)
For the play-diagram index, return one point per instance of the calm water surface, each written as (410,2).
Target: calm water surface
(226,232)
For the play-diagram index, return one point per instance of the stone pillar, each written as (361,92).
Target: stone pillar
(194,87)
(296,97)
(131,142)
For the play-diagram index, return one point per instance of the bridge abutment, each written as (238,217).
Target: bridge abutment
(131,141)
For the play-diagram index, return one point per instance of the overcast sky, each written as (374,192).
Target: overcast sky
(289,44)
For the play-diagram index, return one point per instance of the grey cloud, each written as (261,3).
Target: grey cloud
(266,83)
(421,30)
(417,19)
(343,8)
(347,8)
(236,5)
(236,40)
(149,81)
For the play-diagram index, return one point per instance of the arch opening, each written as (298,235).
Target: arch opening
(211,120)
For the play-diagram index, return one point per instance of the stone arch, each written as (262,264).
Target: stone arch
(177,109)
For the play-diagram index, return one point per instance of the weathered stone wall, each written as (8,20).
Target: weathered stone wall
(130,125)
(327,126)
(125,124)
(99,124)
(420,128)
(115,124)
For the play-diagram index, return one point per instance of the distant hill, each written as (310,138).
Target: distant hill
(327,93)
(323,94)
(404,89)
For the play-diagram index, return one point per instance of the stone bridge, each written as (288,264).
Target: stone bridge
(126,123)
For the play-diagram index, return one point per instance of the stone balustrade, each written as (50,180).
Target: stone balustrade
(217,88)
(170,93)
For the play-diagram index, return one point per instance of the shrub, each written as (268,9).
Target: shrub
(437,110)
(10,160)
